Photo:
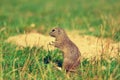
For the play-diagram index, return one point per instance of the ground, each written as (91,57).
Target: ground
(89,46)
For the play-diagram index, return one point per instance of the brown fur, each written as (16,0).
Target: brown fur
(70,51)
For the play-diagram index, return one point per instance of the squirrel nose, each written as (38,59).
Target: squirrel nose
(49,33)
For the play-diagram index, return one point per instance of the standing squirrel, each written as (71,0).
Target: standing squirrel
(71,53)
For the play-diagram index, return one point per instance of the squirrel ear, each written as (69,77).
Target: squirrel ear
(59,31)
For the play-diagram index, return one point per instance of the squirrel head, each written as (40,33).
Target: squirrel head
(57,32)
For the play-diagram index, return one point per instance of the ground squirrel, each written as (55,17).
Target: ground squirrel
(71,53)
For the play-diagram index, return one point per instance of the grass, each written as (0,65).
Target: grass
(96,17)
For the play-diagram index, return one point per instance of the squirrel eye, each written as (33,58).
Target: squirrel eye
(53,30)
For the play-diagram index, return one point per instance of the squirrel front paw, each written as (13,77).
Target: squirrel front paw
(51,43)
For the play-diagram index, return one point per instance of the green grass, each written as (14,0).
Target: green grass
(91,17)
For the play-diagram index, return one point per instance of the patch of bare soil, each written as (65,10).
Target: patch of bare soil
(89,46)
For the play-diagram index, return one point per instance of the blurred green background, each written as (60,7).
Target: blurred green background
(88,16)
